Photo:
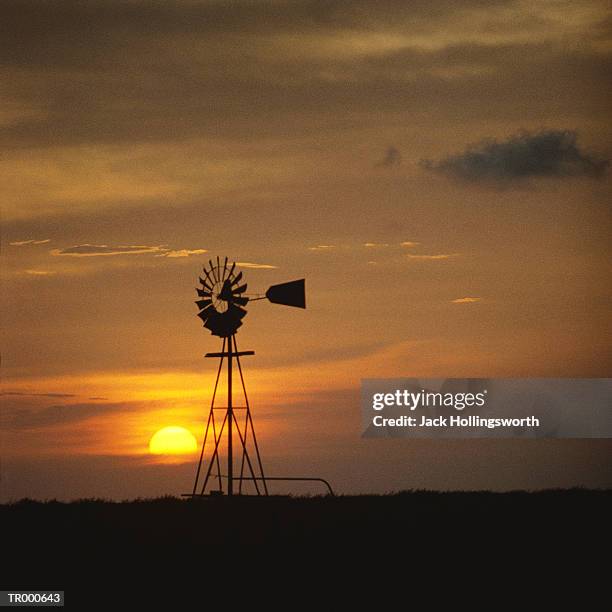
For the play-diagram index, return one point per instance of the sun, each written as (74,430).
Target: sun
(173,440)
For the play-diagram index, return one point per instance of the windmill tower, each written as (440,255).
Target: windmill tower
(229,428)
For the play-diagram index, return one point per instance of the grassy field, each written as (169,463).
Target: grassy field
(156,547)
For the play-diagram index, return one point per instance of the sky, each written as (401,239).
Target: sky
(437,171)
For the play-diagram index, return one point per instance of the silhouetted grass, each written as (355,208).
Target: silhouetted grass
(155,543)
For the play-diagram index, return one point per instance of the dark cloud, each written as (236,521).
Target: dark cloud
(13,419)
(109,71)
(549,153)
(34,23)
(392,158)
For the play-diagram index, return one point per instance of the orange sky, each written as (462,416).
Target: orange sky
(152,136)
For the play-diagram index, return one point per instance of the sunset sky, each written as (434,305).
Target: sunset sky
(437,171)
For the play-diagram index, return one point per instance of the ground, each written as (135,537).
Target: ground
(168,548)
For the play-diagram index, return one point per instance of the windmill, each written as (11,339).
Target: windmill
(222,299)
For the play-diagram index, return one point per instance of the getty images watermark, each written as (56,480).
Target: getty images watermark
(486,407)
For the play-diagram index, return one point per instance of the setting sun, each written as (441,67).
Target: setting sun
(173,441)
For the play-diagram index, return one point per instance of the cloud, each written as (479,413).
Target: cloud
(392,158)
(276,69)
(549,153)
(32,272)
(466,300)
(433,257)
(322,247)
(29,242)
(27,394)
(408,243)
(96,250)
(373,245)
(183,253)
(255,266)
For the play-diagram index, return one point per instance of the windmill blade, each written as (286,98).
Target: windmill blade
(292,293)
(204,294)
(212,270)
(224,269)
(243,301)
(240,289)
(204,283)
(207,313)
(237,279)
(203,304)
(231,270)
(223,325)
(209,277)
(214,322)
(226,292)
(237,311)
(232,319)
(230,327)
